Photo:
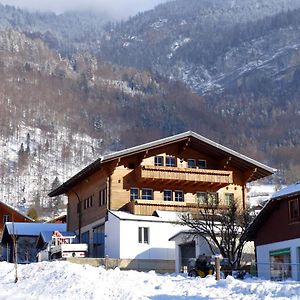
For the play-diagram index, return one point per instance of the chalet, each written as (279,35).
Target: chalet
(124,203)
(276,235)
(26,236)
(9,214)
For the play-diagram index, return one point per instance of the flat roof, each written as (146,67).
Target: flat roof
(207,145)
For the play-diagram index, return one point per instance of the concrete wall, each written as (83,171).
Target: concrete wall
(160,266)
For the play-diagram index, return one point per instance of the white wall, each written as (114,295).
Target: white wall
(112,236)
(263,257)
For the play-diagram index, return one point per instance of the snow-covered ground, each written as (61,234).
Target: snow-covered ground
(63,280)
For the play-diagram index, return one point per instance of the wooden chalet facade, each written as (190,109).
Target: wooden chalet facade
(9,214)
(276,235)
(174,174)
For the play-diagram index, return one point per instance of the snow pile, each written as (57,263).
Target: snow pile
(63,280)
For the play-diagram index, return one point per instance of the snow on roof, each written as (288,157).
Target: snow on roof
(288,191)
(160,216)
(32,229)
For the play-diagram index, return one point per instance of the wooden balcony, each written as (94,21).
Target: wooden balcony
(148,207)
(185,175)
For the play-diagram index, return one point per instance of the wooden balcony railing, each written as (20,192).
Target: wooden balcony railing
(185,174)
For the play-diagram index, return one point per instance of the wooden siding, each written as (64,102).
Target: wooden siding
(277,227)
(185,174)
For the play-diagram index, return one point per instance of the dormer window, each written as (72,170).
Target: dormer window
(158,160)
(201,164)
(170,161)
(191,163)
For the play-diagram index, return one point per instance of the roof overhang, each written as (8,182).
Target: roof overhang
(194,140)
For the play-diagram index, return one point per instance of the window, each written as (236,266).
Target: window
(158,161)
(213,198)
(134,193)
(201,164)
(102,197)
(170,161)
(168,195)
(85,237)
(147,194)
(229,198)
(201,197)
(191,163)
(179,196)
(5,218)
(143,235)
(280,264)
(294,210)
(88,202)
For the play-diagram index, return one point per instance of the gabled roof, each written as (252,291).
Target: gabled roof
(285,193)
(16,211)
(29,229)
(195,140)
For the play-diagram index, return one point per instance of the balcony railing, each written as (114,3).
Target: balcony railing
(185,174)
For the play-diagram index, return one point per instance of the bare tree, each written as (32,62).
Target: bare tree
(223,228)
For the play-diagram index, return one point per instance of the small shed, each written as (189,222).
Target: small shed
(25,236)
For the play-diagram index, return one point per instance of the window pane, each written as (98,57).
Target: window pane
(229,198)
(147,194)
(158,160)
(201,164)
(140,234)
(212,198)
(146,235)
(167,195)
(134,193)
(294,210)
(170,161)
(191,163)
(179,196)
(201,197)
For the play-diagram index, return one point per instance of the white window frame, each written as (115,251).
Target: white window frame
(171,157)
(143,235)
(176,198)
(168,198)
(6,218)
(138,193)
(143,196)
(228,197)
(158,160)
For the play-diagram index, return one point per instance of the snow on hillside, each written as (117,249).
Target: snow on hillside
(63,280)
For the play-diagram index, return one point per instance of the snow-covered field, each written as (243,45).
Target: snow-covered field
(63,280)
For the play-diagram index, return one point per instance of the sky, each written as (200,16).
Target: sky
(116,8)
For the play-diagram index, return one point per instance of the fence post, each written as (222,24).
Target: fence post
(218,266)
(106,262)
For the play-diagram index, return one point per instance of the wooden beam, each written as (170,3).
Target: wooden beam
(225,162)
(249,174)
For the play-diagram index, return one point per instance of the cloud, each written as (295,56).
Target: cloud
(115,8)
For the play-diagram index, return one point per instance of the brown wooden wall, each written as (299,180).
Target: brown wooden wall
(277,227)
(120,175)
(13,216)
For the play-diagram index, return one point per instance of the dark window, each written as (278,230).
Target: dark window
(170,161)
(294,210)
(134,193)
(102,197)
(5,218)
(147,194)
(143,235)
(158,161)
(191,163)
(178,196)
(201,164)
(168,195)
(88,202)
(229,198)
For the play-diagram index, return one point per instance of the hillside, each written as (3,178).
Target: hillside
(58,115)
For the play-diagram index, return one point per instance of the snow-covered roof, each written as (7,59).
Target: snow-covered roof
(261,170)
(159,216)
(288,191)
(32,229)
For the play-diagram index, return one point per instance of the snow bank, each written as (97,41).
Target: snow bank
(63,280)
